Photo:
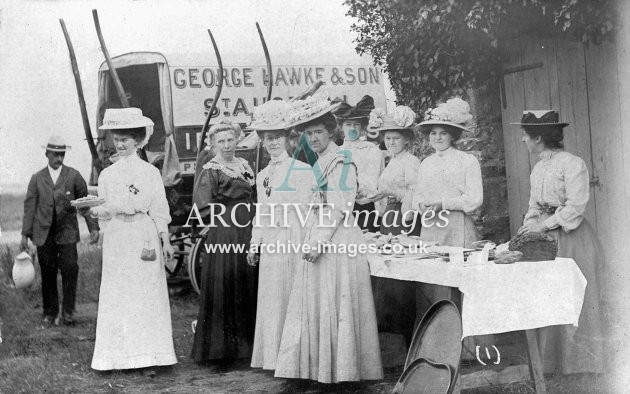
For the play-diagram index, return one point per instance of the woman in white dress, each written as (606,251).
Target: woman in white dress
(450,185)
(368,158)
(133,327)
(395,299)
(330,332)
(449,179)
(398,180)
(282,188)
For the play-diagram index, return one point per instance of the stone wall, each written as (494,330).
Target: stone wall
(486,143)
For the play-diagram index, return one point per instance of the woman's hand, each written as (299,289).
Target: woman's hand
(24,244)
(252,259)
(435,205)
(167,248)
(312,255)
(380,195)
(532,227)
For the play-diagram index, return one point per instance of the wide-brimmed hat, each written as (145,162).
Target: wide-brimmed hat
(361,110)
(454,112)
(127,118)
(313,107)
(56,143)
(401,119)
(546,117)
(124,118)
(270,116)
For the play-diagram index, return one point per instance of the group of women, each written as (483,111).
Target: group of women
(303,313)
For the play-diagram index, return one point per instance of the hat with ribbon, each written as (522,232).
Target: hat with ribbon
(56,143)
(402,118)
(127,118)
(270,116)
(312,107)
(454,112)
(541,118)
(361,110)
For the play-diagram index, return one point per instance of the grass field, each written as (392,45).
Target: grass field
(11,211)
(35,359)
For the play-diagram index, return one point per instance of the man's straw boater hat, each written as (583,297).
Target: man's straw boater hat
(454,112)
(270,116)
(541,118)
(56,143)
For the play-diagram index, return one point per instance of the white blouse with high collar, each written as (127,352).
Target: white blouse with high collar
(286,183)
(370,162)
(399,177)
(132,186)
(560,188)
(452,177)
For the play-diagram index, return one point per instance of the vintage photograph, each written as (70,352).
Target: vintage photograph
(335,196)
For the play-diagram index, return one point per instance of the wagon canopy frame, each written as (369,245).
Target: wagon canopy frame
(156,68)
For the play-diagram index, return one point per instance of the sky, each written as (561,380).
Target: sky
(37,91)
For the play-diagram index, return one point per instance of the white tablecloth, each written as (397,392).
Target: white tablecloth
(500,298)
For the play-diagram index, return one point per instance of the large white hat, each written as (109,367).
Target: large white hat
(402,118)
(303,111)
(124,118)
(270,116)
(56,143)
(127,118)
(454,112)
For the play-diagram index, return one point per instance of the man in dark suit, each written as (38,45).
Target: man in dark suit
(51,223)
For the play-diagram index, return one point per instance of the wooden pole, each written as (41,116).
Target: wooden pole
(308,92)
(217,94)
(112,71)
(268,59)
(77,80)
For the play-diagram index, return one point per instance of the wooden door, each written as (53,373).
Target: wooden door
(544,74)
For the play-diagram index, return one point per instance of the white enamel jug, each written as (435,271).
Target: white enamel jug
(23,270)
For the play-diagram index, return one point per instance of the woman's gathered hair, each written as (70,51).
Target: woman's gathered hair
(224,125)
(550,135)
(328,120)
(455,132)
(137,133)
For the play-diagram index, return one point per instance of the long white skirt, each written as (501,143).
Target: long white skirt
(275,282)
(330,332)
(133,327)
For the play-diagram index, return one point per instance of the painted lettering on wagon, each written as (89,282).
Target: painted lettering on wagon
(199,77)
(193,88)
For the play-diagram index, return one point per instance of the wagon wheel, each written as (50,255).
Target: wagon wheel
(182,244)
(195,260)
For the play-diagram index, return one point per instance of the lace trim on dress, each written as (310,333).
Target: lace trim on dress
(244,171)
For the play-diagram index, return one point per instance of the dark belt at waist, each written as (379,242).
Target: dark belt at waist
(548,210)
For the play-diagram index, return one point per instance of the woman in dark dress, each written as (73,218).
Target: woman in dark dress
(223,193)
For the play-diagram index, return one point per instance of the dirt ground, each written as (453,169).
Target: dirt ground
(57,359)
(38,359)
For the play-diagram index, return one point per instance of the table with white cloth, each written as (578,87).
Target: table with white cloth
(501,298)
